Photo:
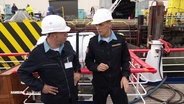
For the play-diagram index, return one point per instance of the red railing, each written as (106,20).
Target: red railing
(135,59)
(144,67)
(14,54)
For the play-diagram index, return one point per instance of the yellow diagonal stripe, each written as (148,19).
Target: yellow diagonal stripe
(32,29)
(5,65)
(22,35)
(11,39)
(39,24)
(5,49)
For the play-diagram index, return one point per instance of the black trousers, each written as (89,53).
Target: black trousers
(117,95)
(61,98)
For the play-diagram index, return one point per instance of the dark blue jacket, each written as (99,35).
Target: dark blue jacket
(51,69)
(115,54)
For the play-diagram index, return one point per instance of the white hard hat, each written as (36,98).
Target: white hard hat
(101,16)
(54,23)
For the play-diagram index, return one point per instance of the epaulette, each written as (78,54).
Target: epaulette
(121,34)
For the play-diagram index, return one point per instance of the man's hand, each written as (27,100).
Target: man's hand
(124,83)
(47,89)
(102,67)
(77,77)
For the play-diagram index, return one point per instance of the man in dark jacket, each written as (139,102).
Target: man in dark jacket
(14,8)
(56,63)
(108,58)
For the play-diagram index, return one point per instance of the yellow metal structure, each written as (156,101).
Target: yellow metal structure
(63,11)
(174,10)
(17,37)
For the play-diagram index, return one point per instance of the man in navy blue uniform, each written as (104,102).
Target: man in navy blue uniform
(56,63)
(108,58)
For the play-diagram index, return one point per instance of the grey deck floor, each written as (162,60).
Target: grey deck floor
(161,93)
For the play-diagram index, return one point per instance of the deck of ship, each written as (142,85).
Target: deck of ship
(163,93)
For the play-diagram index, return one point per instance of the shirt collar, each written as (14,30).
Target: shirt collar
(112,37)
(47,47)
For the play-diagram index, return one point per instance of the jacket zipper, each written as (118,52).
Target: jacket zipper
(61,65)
